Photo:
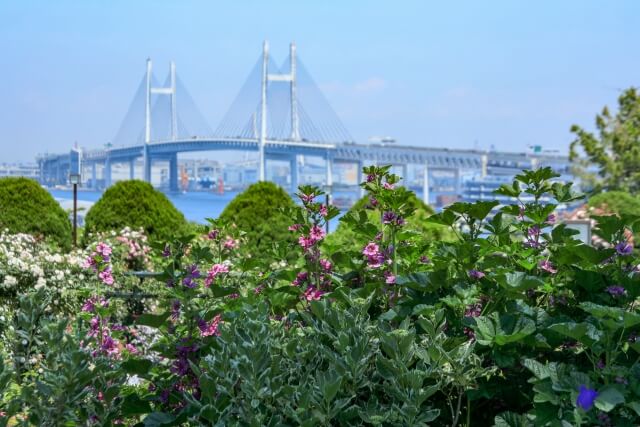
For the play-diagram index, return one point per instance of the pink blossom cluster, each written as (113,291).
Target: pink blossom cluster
(208,329)
(375,257)
(214,271)
(313,294)
(91,303)
(316,234)
(100,262)
(105,343)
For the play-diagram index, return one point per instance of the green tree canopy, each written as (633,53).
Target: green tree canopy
(26,207)
(618,202)
(257,212)
(614,149)
(135,204)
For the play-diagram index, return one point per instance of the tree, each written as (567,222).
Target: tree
(615,149)
(26,207)
(135,204)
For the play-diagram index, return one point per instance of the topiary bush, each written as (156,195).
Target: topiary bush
(26,207)
(257,211)
(346,238)
(135,204)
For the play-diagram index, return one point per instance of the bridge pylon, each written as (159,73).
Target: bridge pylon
(295,119)
(170,91)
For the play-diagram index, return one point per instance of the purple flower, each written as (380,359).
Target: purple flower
(600,364)
(624,248)
(586,397)
(534,231)
(425,259)
(166,252)
(551,219)
(388,217)
(371,177)
(213,234)
(189,282)
(193,271)
(616,291)
(476,274)
(547,266)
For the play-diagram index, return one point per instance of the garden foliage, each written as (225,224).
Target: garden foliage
(135,204)
(512,323)
(26,207)
(344,236)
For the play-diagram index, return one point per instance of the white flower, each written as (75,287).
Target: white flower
(10,281)
(41,283)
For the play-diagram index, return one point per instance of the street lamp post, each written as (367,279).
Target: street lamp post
(74,178)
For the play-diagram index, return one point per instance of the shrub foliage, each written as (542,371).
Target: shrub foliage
(26,207)
(257,211)
(135,204)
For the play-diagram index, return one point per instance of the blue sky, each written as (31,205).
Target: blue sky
(453,74)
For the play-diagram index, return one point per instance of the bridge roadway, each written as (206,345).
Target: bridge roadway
(54,169)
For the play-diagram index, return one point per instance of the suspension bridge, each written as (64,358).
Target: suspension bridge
(280,114)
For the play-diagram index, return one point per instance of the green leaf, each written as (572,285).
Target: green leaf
(158,419)
(502,329)
(608,398)
(133,405)
(153,320)
(511,419)
(586,333)
(137,366)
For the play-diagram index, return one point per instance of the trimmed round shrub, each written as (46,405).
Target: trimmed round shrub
(256,211)
(135,204)
(345,238)
(26,207)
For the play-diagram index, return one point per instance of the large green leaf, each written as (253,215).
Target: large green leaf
(502,329)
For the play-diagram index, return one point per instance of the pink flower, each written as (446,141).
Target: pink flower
(388,186)
(214,271)
(131,348)
(316,233)
(294,227)
(106,276)
(389,278)
(91,263)
(326,264)
(231,243)
(324,211)
(307,198)
(300,278)
(371,249)
(547,266)
(313,294)
(211,328)
(376,260)
(103,249)
(305,242)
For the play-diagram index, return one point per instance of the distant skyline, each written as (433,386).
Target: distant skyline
(500,73)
